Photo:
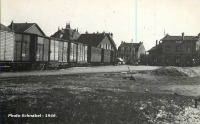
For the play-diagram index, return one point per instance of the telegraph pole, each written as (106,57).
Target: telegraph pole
(131,48)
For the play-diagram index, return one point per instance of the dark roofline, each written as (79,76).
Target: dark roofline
(27,28)
(112,41)
(5,28)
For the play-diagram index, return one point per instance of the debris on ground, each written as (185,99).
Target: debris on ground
(177,71)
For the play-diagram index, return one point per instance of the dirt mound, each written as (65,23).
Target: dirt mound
(176,71)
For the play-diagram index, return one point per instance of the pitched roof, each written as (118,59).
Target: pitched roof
(95,39)
(135,45)
(178,38)
(156,48)
(67,33)
(23,27)
(112,42)
(4,28)
(91,39)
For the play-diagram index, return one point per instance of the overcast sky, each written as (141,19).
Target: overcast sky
(140,20)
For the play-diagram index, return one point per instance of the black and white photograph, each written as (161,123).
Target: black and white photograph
(100,62)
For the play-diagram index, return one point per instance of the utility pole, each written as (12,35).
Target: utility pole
(131,48)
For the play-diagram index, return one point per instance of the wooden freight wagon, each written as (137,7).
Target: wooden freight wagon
(7,43)
(82,54)
(56,53)
(22,52)
(62,51)
(106,56)
(72,52)
(94,55)
(39,51)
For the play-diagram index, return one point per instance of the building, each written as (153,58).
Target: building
(67,33)
(155,56)
(32,28)
(176,51)
(129,51)
(101,40)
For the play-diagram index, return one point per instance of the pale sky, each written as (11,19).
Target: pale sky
(140,20)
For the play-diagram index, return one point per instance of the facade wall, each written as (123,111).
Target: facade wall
(140,52)
(105,44)
(170,55)
(177,53)
(126,53)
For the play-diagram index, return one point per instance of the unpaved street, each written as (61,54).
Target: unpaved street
(78,70)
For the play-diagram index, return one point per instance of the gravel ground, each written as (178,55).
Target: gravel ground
(101,97)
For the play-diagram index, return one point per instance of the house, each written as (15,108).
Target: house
(32,28)
(129,51)
(67,33)
(101,40)
(176,51)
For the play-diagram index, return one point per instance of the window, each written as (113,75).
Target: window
(122,50)
(197,47)
(101,45)
(167,48)
(178,41)
(188,48)
(178,48)
(177,60)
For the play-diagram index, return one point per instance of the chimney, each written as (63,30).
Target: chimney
(67,25)
(122,42)
(199,35)
(183,36)
(12,25)
(156,42)
(111,35)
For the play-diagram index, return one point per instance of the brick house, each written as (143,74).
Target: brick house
(67,33)
(129,51)
(175,51)
(32,28)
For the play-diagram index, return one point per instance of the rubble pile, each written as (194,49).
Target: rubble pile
(188,116)
(177,71)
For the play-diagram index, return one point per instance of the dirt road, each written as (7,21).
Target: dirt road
(77,70)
